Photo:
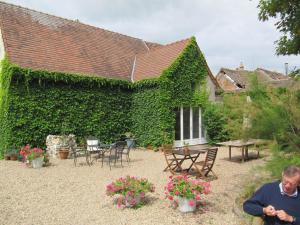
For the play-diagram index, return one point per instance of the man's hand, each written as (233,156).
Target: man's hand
(282,215)
(270,211)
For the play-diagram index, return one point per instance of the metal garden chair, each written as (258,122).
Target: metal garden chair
(93,148)
(115,153)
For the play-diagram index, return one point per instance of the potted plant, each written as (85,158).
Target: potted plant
(64,148)
(131,191)
(185,192)
(186,149)
(36,157)
(7,155)
(33,156)
(24,152)
(14,153)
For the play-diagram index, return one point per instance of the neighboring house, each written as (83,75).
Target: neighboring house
(240,79)
(48,53)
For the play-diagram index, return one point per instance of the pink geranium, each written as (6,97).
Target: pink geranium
(131,191)
(31,153)
(184,187)
(191,203)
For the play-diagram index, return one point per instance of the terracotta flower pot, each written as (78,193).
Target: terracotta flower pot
(7,157)
(186,150)
(14,157)
(63,153)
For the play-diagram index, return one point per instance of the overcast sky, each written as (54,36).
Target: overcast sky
(227,31)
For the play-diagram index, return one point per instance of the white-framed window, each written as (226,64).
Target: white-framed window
(189,128)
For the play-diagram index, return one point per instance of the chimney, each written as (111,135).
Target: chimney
(286,66)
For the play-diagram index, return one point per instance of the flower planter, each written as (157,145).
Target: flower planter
(13,157)
(131,190)
(186,150)
(63,153)
(38,162)
(7,157)
(186,205)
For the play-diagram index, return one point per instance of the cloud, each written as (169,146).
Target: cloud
(227,31)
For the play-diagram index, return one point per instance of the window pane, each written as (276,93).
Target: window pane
(195,122)
(186,123)
(202,126)
(177,124)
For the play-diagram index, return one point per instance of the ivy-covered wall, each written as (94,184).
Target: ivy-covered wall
(154,100)
(34,104)
(38,103)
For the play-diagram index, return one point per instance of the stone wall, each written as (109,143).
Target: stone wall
(55,142)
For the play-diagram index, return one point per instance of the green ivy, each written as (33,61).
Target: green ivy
(154,101)
(35,103)
(5,128)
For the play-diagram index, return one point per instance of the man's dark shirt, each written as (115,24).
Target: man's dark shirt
(269,194)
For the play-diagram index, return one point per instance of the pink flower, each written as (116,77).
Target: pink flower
(191,203)
(186,187)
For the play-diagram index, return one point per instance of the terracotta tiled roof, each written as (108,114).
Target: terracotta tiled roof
(151,64)
(272,74)
(40,41)
(241,78)
(238,76)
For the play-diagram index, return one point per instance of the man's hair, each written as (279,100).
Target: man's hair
(291,171)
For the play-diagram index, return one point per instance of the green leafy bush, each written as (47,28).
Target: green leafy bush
(215,122)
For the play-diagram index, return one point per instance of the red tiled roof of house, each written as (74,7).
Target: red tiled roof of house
(40,41)
(151,64)
(37,40)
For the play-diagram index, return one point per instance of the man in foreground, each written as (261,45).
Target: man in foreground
(278,202)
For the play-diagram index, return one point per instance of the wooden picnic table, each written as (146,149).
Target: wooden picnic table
(181,156)
(244,145)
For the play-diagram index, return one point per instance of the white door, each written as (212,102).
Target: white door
(189,129)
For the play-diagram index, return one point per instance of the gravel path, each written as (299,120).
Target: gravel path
(64,194)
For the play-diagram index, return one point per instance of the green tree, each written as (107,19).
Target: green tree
(288,12)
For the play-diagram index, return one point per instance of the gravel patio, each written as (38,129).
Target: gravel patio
(64,194)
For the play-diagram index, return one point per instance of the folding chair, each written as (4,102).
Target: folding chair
(172,162)
(203,168)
